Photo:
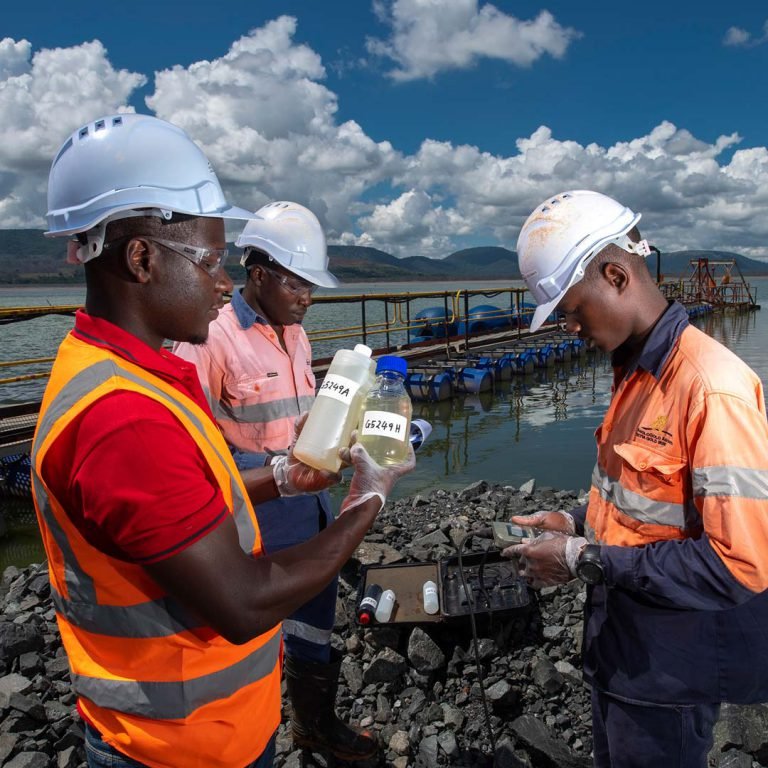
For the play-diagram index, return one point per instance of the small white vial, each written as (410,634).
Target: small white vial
(385,606)
(429,593)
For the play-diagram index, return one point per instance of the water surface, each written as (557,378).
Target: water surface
(539,426)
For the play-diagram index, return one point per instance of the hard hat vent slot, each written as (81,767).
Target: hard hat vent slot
(83,132)
(99,125)
(117,121)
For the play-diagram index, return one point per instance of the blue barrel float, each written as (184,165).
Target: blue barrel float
(485,318)
(526,314)
(16,476)
(464,377)
(429,387)
(432,323)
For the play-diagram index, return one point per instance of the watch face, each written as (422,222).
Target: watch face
(590,572)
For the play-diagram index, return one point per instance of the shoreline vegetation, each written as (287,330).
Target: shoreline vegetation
(28,258)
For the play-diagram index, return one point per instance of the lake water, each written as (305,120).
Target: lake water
(539,426)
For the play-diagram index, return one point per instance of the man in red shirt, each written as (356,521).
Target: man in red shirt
(169,611)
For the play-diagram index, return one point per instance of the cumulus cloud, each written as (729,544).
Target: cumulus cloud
(267,123)
(430,36)
(43,97)
(266,118)
(736,37)
(415,222)
(689,199)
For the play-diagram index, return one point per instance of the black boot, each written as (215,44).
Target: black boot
(314,724)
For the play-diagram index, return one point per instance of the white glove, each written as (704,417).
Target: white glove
(548,521)
(293,477)
(370,479)
(548,559)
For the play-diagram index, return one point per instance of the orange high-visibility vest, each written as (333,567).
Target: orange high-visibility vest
(157,688)
(684,454)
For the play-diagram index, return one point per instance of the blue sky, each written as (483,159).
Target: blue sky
(409,139)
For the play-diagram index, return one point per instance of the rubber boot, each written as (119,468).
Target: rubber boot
(312,690)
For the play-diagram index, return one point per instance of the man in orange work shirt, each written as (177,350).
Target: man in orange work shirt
(673,545)
(169,611)
(256,370)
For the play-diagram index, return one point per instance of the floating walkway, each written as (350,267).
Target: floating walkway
(436,380)
(451,348)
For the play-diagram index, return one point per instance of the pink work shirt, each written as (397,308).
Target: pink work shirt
(256,389)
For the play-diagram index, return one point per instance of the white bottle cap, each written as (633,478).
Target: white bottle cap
(363,349)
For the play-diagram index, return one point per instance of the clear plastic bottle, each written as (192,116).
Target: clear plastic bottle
(336,409)
(385,606)
(429,594)
(385,420)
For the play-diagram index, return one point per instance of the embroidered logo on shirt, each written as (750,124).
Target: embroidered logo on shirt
(656,432)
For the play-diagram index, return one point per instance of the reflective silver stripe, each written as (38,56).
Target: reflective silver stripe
(744,482)
(78,584)
(81,607)
(177,700)
(641,507)
(263,413)
(307,632)
(156,618)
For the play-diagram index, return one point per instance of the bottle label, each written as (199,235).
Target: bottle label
(368,602)
(385,424)
(338,387)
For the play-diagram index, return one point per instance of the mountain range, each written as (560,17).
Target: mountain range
(28,257)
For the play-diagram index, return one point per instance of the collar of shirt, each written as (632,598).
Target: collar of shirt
(658,345)
(246,315)
(163,363)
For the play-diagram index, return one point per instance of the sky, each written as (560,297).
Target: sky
(415,126)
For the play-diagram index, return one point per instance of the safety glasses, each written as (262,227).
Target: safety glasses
(296,287)
(210,260)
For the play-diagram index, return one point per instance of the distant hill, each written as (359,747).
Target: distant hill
(28,257)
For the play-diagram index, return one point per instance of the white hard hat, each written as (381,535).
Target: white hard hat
(562,236)
(293,237)
(116,165)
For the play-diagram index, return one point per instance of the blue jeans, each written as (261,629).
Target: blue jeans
(636,735)
(99,754)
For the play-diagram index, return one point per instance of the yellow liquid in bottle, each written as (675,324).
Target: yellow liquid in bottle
(385,427)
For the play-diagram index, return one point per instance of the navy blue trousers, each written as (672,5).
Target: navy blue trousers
(634,735)
(284,523)
(99,754)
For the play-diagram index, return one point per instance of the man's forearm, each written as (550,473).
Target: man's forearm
(260,484)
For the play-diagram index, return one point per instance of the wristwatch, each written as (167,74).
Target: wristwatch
(589,567)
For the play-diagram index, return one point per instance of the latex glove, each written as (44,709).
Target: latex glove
(549,559)
(370,479)
(547,521)
(294,478)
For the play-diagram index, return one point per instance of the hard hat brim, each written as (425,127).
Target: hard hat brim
(230,212)
(542,312)
(323,277)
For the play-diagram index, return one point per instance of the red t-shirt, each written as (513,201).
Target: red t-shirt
(127,473)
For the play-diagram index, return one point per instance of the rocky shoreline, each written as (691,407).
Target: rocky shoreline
(421,687)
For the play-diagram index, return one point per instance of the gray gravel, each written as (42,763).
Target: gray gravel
(418,686)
